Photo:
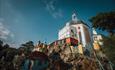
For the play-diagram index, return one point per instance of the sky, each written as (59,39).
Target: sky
(25,20)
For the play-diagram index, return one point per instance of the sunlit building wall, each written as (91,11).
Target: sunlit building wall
(76,29)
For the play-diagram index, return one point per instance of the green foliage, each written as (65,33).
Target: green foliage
(109,48)
(27,47)
(104,21)
(7,54)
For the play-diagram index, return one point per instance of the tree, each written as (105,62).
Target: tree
(104,21)
(6,46)
(7,54)
(1,45)
(28,46)
(109,48)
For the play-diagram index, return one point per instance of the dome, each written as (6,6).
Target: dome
(78,22)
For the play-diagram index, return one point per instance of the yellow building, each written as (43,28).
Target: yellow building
(96,46)
(80,49)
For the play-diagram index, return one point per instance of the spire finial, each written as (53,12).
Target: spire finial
(74,17)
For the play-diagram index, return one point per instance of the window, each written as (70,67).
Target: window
(78,27)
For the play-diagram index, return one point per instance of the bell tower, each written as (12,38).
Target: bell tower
(74,17)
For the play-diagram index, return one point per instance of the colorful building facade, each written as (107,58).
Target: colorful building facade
(76,29)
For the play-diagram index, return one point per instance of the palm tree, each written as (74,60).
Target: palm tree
(104,21)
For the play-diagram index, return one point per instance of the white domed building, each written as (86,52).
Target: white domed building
(76,29)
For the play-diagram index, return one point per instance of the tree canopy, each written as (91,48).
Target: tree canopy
(27,47)
(104,21)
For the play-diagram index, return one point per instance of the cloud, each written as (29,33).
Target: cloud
(51,7)
(9,17)
(5,33)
